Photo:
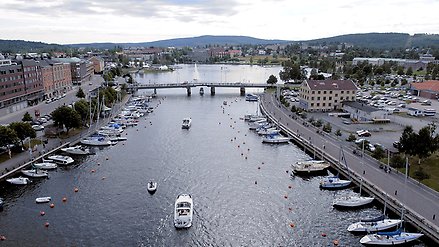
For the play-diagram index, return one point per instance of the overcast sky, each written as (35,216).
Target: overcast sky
(86,21)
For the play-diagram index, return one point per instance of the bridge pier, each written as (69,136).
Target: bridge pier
(242,91)
(155,90)
(188,90)
(212,91)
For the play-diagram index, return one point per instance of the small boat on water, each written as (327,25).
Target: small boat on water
(352,201)
(152,187)
(251,97)
(19,181)
(201,91)
(45,166)
(334,182)
(310,166)
(269,131)
(187,122)
(43,199)
(78,150)
(96,141)
(224,102)
(61,159)
(275,139)
(35,173)
(183,211)
(374,226)
(390,238)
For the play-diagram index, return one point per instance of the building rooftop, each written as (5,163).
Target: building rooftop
(360,106)
(431,85)
(331,85)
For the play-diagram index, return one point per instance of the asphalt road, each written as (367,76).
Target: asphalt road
(416,197)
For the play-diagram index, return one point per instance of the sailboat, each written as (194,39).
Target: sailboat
(392,238)
(353,201)
(334,182)
(375,224)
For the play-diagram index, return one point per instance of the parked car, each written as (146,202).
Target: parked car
(363,133)
(37,127)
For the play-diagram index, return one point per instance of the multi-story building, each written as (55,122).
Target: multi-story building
(33,81)
(326,95)
(12,88)
(98,64)
(81,70)
(57,78)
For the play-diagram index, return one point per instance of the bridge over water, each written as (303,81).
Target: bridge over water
(189,86)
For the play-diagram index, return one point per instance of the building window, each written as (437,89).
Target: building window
(318,98)
(312,98)
(353,92)
(324,92)
(318,104)
(323,104)
(330,92)
(341,98)
(312,104)
(313,92)
(353,97)
(329,104)
(330,98)
(318,92)
(342,92)
(336,94)
(335,101)
(324,98)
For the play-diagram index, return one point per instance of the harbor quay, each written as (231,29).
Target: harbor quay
(420,203)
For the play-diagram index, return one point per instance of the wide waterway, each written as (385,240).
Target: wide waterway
(243,194)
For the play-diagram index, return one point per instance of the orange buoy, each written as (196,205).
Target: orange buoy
(286,171)
(46,224)
(52,205)
(335,242)
(285,196)
(103,178)
(256,182)
(106,158)
(76,189)
(230,126)
(245,135)
(245,157)
(242,154)
(238,146)
(323,234)
(262,162)
(289,187)
(292,225)
(259,167)
(243,142)
(2,238)
(99,164)
(231,140)
(42,213)
(64,199)
(137,129)
(248,149)
(238,130)
(290,209)
(234,137)
(92,170)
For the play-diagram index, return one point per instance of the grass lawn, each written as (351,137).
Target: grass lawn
(429,166)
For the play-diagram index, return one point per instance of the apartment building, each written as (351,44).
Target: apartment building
(81,70)
(98,64)
(326,95)
(12,88)
(57,78)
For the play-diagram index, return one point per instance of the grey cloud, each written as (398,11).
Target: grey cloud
(188,10)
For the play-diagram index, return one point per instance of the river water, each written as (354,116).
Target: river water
(242,190)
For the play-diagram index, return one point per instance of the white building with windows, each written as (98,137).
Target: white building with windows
(326,95)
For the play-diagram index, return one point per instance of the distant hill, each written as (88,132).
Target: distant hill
(21,46)
(192,42)
(382,40)
(366,40)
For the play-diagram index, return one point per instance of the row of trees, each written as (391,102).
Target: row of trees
(421,144)
(16,133)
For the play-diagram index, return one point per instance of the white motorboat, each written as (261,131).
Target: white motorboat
(19,181)
(310,166)
(152,187)
(224,102)
(61,159)
(251,97)
(275,139)
(43,199)
(35,173)
(186,123)
(390,238)
(374,226)
(334,182)
(45,166)
(268,131)
(78,150)
(183,211)
(352,201)
(96,141)
(247,117)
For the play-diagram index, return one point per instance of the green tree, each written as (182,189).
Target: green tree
(82,107)
(272,79)
(26,117)
(378,153)
(408,141)
(351,138)
(23,130)
(327,128)
(7,136)
(409,71)
(80,94)
(67,117)
(338,133)
(427,142)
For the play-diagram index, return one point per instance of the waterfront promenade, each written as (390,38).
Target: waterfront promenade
(420,202)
